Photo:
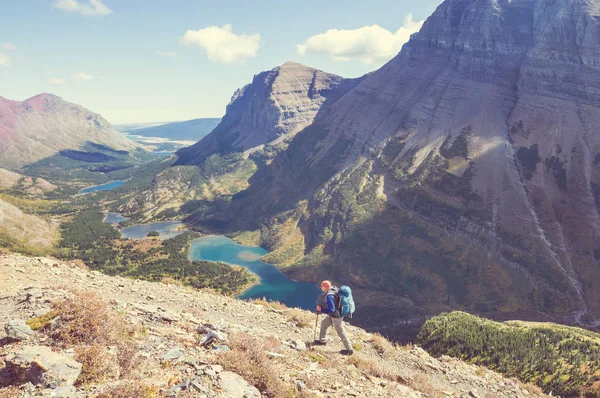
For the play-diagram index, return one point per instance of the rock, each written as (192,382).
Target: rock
(17,329)
(170,316)
(299,345)
(64,392)
(236,387)
(474,394)
(43,367)
(41,312)
(173,354)
(300,385)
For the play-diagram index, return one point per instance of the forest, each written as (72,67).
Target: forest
(562,360)
(98,244)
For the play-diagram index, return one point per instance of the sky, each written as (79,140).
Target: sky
(141,61)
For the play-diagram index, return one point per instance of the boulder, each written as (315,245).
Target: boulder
(236,387)
(41,366)
(17,329)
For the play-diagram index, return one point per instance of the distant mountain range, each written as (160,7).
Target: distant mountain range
(191,130)
(43,125)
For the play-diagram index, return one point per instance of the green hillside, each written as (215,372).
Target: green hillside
(560,359)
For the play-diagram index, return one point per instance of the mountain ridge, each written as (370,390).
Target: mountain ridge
(44,124)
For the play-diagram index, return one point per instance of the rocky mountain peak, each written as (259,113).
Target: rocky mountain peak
(275,106)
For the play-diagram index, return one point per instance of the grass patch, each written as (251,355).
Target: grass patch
(41,322)
(98,366)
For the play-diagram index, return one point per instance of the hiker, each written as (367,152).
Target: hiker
(327,305)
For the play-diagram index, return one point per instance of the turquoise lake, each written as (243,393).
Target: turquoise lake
(104,187)
(274,285)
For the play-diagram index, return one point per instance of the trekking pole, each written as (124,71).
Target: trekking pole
(316,322)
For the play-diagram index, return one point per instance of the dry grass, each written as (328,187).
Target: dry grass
(381,344)
(9,392)
(249,359)
(87,319)
(300,318)
(422,384)
(130,389)
(129,359)
(371,368)
(98,365)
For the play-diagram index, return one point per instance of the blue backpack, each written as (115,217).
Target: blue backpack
(345,302)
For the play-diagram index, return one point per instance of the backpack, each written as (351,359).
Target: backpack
(345,302)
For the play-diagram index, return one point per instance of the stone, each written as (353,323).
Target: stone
(41,312)
(170,316)
(64,392)
(173,354)
(299,345)
(236,387)
(41,366)
(17,329)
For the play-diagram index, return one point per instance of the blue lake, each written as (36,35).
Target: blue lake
(274,285)
(114,218)
(167,230)
(104,187)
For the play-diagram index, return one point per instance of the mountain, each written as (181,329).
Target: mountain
(43,125)
(275,106)
(191,130)
(463,174)
(260,120)
(120,337)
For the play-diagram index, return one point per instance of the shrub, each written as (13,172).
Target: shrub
(152,234)
(381,344)
(249,359)
(98,365)
(87,319)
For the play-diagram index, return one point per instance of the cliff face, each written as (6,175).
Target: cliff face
(276,105)
(45,124)
(465,173)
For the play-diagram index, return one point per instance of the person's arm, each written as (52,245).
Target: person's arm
(330,307)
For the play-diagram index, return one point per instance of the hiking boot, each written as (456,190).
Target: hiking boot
(319,342)
(347,352)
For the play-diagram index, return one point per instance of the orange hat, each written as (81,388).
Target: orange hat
(326,284)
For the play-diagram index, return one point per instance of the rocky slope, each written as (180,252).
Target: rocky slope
(45,124)
(25,184)
(167,355)
(275,106)
(465,173)
(17,228)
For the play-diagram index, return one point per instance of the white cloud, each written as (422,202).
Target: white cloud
(9,46)
(4,60)
(367,44)
(83,76)
(222,45)
(95,7)
(54,81)
(169,54)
